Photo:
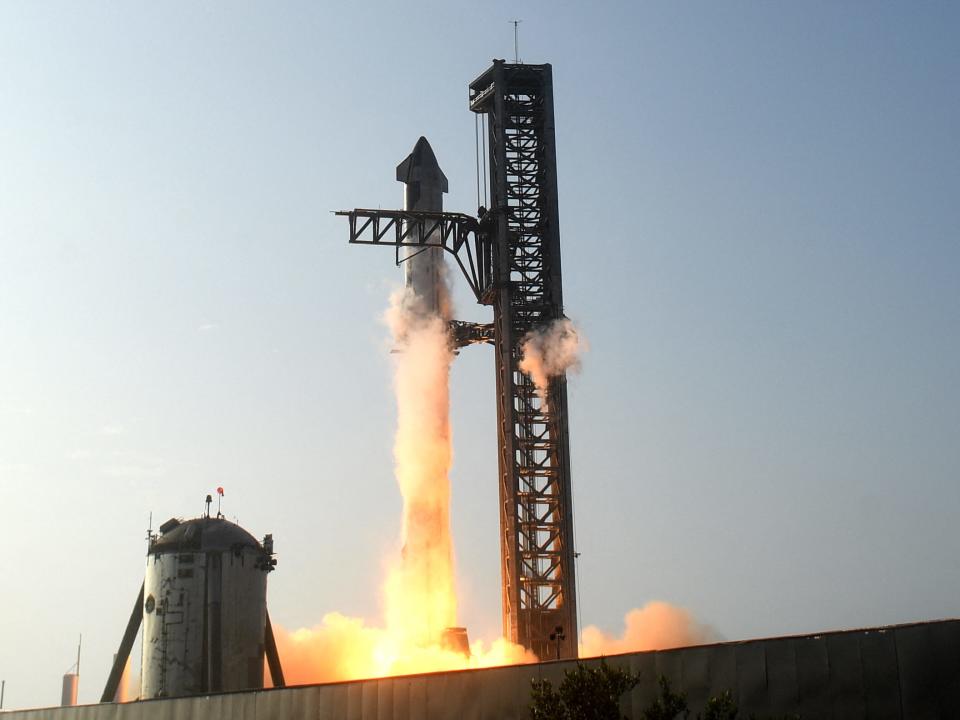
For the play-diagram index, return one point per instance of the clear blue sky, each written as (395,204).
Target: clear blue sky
(760,220)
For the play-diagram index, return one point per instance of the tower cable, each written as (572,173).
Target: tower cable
(476,151)
(483,139)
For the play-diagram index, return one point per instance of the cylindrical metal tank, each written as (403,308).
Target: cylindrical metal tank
(204,610)
(71,681)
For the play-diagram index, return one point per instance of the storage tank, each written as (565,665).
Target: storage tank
(68,697)
(204,608)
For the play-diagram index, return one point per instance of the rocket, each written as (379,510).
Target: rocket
(424,268)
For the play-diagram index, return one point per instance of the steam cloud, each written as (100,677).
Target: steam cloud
(550,351)
(655,626)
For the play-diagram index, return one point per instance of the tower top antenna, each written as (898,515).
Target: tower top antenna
(516,40)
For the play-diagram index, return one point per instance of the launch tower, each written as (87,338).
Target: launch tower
(510,257)
(536,516)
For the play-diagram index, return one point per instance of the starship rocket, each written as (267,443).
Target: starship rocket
(424,268)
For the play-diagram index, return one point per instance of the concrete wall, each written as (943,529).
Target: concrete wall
(904,671)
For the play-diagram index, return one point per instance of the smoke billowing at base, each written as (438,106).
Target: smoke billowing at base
(345,648)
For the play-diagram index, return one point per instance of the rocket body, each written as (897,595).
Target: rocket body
(424,268)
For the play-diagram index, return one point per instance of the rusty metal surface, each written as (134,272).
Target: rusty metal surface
(904,671)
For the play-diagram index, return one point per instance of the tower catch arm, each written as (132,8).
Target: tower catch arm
(461,235)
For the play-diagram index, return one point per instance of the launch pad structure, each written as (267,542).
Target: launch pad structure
(510,257)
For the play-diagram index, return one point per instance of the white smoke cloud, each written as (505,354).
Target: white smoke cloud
(550,351)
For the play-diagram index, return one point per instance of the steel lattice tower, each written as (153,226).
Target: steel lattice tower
(510,257)
(536,514)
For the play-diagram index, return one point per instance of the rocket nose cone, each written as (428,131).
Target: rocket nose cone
(421,166)
(423,155)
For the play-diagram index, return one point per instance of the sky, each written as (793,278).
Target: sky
(760,227)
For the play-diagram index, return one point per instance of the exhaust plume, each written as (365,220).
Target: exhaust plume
(420,596)
(419,593)
(550,351)
(655,626)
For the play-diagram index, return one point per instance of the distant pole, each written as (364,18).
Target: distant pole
(516,40)
(3,688)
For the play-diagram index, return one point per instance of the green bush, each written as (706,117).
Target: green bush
(584,694)
(668,706)
(721,707)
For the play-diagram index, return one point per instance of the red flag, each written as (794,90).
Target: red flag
(219,491)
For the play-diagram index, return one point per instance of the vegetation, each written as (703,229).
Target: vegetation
(721,707)
(668,706)
(594,694)
(584,694)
